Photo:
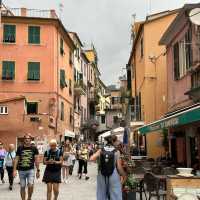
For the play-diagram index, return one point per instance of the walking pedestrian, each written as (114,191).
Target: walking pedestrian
(108,179)
(2,157)
(83,162)
(53,159)
(73,158)
(25,162)
(67,162)
(9,162)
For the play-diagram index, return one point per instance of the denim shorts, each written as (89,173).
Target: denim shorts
(26,177)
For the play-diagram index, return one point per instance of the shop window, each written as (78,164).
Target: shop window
(9,33)
(8,71)
(32,108)
(34,35)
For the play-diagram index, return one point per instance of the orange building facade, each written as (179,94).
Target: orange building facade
(149,79)
(36,62)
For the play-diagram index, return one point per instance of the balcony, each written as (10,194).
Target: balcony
(79,88)
(194,94)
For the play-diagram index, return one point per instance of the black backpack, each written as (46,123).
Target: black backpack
(107,161)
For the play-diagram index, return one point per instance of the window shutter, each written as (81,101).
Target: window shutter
(34,34)
(8,71)
(62,79)
(9,33)
(176,62)
(33,71)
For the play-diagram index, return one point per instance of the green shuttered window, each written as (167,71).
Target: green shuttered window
(34,35)
(9,33)
(8,71)
(63,83)
(34,71)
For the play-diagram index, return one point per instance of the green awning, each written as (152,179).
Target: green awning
(185,117)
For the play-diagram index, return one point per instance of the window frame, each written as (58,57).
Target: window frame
(37,106)
(8,70)
(4,34)
(3,110)
(36,36)
(34,64)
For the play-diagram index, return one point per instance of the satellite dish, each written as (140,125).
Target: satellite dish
(194,16)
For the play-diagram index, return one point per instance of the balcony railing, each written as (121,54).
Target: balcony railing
(80,88)
(23,12)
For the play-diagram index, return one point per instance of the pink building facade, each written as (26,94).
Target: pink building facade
(35,62)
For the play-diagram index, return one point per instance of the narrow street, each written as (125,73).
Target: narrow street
(75,189)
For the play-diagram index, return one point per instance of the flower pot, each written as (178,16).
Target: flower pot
(129,195)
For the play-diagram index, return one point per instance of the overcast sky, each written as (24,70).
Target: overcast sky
(106,23)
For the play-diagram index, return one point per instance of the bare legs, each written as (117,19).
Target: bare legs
(23,192)
(65,173)
(55,188)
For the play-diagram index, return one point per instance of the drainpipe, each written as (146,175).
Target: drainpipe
(57,114)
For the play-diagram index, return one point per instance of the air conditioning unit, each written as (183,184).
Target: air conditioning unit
(35,119)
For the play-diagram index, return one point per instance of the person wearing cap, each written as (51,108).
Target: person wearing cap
(25,162)
(53,159)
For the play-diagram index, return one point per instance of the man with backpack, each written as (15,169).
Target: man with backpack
(108,179)
(53,159)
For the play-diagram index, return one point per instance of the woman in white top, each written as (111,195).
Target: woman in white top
(9,158)
(67,161)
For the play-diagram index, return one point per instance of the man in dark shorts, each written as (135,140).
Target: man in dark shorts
(53,159)
(25,162)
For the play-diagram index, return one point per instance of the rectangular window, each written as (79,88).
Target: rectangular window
(63,83)
(34,71)
(34,35)
(9,33)
(195,78)
(141,48)
(8,70)
(62,111)
(176,61)
(61,46)
(3,110)
(103,119)
(71,116)
(70,87)
(188,48)
(70,58)
(32,108)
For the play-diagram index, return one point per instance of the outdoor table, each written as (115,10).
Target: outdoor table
(140,179)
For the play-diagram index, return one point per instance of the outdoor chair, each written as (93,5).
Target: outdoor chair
(157,170)
(152,186)
(140,185)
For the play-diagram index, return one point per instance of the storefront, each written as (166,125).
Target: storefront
(183,128)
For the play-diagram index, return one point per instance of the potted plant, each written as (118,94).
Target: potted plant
(129,188)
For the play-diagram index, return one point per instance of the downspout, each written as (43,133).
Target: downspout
(57,114)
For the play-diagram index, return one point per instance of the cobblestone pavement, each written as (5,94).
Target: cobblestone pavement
(75,189)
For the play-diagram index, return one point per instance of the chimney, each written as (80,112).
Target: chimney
(23,12)
(53,14)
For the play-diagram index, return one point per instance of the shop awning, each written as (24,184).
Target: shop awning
(188,116)
(69,133)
